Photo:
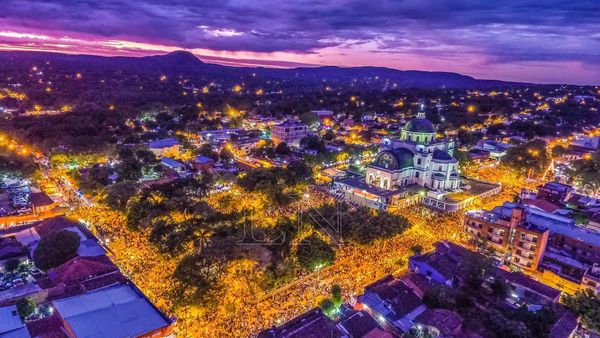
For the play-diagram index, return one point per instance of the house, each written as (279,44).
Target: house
(442,266)
(565,327)
(312,324)
(165,147)
(203,163)
(441,322)
(360,324)
(41,202)
(591,278)
(530,291)
(172,164)
(115,311)
(392,303)
(11,325)
(80,275)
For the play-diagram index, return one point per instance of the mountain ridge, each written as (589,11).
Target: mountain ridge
(182,62)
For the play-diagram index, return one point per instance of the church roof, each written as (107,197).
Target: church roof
(401,158)
(419,125)
(442,155)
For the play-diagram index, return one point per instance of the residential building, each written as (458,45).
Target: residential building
(203,163)
(165,147)
(172,164)
(591,278)
(11,325)
(116,311)
(290,132)
(392,303)
(442,266)
(440,323)
(312,324)
(510,236)
(523,233)
(41,202)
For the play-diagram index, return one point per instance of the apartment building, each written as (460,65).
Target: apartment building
(290,132)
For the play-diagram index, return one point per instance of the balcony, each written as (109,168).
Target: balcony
(525,263)
(524,255)
(526,246)
(473,225)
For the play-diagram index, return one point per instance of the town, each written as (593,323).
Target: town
(259,169)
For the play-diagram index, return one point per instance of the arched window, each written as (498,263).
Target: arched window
(419,161)
(417,174)
(440,168)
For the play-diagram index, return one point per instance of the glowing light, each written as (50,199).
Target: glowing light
(163,77)
(199,105)
(471,108)
(205,90)
(237,88)
(78,75)
(259,92)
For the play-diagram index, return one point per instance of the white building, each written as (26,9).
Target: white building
(417,157)
(290,132)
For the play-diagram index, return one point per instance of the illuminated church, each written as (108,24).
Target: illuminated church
(415,168)
(417,157)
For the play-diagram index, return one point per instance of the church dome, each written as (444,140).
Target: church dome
(395,159)
(440,155)
(420,125)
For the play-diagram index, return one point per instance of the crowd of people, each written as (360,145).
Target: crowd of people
(244,308)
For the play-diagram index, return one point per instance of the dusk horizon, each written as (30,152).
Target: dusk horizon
(528,42)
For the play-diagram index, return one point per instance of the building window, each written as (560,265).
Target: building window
(419,161)
(440,168)
(417,174)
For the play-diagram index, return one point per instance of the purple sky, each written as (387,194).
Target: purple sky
(552,41)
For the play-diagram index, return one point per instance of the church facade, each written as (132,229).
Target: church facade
(417,157)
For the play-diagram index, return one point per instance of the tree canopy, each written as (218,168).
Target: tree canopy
(55,249)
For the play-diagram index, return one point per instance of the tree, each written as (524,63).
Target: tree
(313,142)
(119,193)
(55,249)
(529,157)
(12,264)
(283,149)
(225,154)
(585,173)
(26,307)
(309,118)
(558,151)
(314,253)
(416,249)
(499,288)
(587,305)
(329,135)
(199,272)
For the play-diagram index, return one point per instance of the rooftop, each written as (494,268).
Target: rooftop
(526,282)
(11,324)
(312,324)
(401,298)
(39,199)
(115,311)
(446,321)
(164,143)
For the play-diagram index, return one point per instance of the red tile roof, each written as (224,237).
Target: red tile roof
(80,269)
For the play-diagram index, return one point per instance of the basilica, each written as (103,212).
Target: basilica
(415,168)
(417,157)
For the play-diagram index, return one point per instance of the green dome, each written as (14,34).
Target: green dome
(396,159)
(419,125)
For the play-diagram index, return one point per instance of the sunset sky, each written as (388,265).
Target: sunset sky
(535,41)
